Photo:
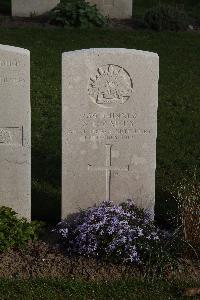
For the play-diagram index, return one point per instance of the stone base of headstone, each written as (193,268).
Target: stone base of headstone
(119,9)
(28,8)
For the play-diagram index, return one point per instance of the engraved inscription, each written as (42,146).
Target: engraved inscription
(108,169)
(106,127)
(9,63)
(111,85)
(109,2)
(11,80)
(11,136)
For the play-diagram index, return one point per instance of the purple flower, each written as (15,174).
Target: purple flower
(123,233)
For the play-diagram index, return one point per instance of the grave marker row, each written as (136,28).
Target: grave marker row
(109,128)
(120,9)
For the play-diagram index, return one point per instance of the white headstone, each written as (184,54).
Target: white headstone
(120,9)
(15,130)
(26,8)
(109,119)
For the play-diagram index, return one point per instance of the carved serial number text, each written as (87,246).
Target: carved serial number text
(11,80)
(9,63)
(106,127)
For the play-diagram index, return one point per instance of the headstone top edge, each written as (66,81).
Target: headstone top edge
(111,51)
(15,49)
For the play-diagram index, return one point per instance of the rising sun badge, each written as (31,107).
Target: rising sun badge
(111,85)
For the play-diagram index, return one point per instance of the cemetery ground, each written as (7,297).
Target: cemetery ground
(178,147)
(191,6)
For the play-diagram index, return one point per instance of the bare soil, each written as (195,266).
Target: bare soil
(42,260)
(42,21)
(18,22)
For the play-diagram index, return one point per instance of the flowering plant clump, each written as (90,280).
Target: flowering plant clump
(122,233)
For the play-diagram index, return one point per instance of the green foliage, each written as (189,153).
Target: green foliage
(187,196)
(15,232)
(77,13)
(166,17)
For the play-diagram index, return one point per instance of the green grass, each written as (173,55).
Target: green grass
(67,289)
(178,141)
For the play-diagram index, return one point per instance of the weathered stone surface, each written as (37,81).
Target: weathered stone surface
(120,9)
(26,8)
(110,99)
(15,130)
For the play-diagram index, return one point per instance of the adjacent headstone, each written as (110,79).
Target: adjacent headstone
(27,8)
(109,119)
(119,9)
(15,130)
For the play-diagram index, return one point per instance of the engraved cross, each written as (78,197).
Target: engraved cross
(108,168)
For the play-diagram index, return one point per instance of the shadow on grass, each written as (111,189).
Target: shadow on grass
(46,203)
(5,7)
(165,209)
(46,187)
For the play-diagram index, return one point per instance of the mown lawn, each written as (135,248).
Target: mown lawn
(65,289)
(178,141)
